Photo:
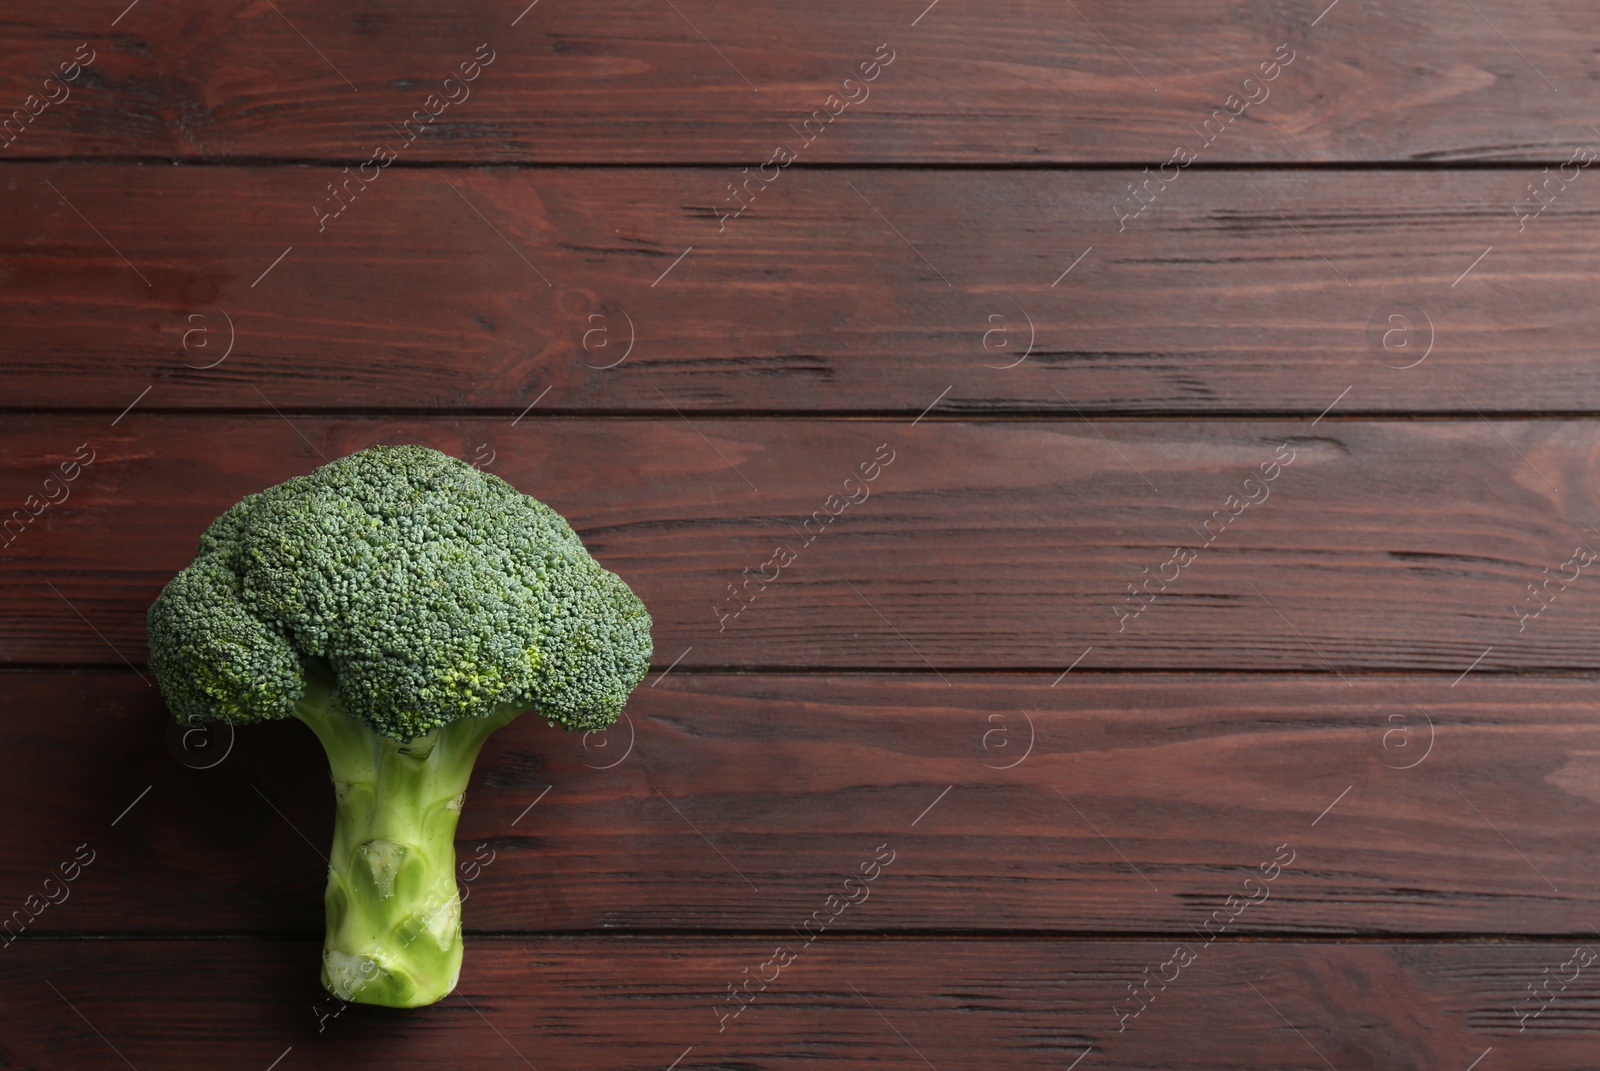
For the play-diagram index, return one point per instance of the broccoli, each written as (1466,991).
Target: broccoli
(404,605)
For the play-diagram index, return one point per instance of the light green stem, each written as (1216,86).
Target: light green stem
(394,914)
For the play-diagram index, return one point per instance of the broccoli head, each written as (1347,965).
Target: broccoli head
(404,605)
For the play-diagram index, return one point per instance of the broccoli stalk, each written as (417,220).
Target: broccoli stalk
(404,606)
(394,914)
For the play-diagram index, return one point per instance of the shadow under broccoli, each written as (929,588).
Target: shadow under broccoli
(404,605)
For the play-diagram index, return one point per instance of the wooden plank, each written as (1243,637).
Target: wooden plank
(584,290)
(1406,545)
(1123,804)
(641,1004)
(1025,81)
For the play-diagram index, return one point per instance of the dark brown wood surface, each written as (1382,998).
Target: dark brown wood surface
(1226,597)
(1006,544)
(847,291)
(642,1003)
(1025,81)
(1105,804)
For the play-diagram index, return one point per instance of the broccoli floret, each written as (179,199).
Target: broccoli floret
(404,605)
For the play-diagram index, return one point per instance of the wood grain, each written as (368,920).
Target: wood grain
(1024,81)
(606,290)
(1114,804)
(640,1004)
(1085,730)
(1406,545)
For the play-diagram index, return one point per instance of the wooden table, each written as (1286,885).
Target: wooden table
(1204,678)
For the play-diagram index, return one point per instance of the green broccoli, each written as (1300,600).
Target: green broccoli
(404,605)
